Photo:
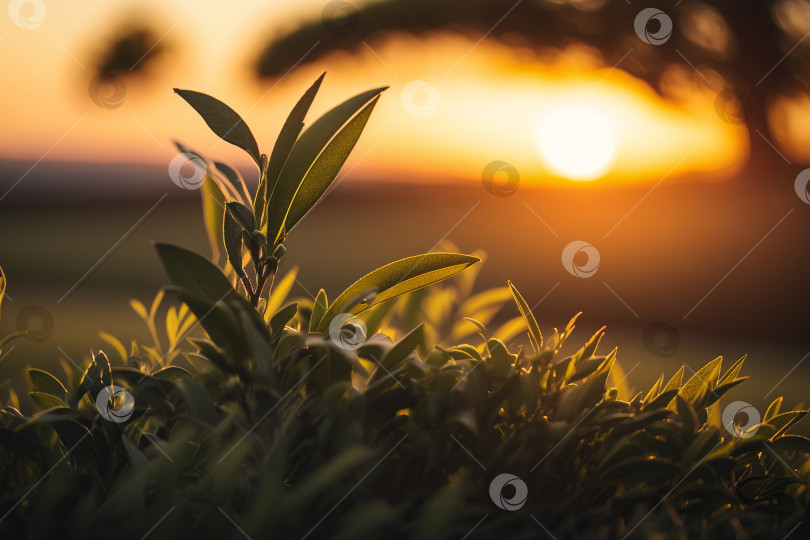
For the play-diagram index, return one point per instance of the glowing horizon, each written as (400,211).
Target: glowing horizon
(453,107)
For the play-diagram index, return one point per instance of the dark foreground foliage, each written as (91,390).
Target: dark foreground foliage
(363,417)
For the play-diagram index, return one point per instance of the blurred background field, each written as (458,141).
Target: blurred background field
(695,214)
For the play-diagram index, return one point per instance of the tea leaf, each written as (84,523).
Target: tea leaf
(232,238)
(304,154)
(325,169)
(280,292)
(236,180)
(703,380)
(397,278)
(319,307)
(44,382)
(213,215)
(242,214)
(284,144)
(282,317)
(139,308)
(223,121)
(525,310)
(194,272)
(773,409)
(732,372)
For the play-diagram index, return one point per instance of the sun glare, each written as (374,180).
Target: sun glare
(576,141)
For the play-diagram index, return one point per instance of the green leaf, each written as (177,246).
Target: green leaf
(326,168)
(773,409)
(404,347)
(793,443)
(675,382)
(199,402)
(280,292)
(304,154)
(242,214)
(232,238)
(213,214)
(783,422)
(282,317)
(42,381)
(217,319)
(732,372)
(589,348)
(654,390)
(705,378)
(236,180)
(397,278)
(531,322)
(44,400)
(318,309)
(194,272)
(284,144)
(171,373)
(721,389)
(223,121)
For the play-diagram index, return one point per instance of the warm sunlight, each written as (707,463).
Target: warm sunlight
(576,141)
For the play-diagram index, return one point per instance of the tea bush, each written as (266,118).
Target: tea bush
(364,417)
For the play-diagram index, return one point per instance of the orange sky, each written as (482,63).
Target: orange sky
(453,106)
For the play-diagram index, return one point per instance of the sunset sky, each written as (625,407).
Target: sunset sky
(455,104)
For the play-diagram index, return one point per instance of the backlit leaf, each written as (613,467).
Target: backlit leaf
(223,121)
(396,279)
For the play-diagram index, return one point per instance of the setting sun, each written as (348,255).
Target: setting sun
(576,141)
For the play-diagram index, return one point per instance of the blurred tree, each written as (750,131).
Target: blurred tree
(130,50)
(757,46)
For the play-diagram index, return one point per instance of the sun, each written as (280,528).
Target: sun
(577,141)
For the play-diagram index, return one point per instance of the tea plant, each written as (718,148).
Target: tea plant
(364,417)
